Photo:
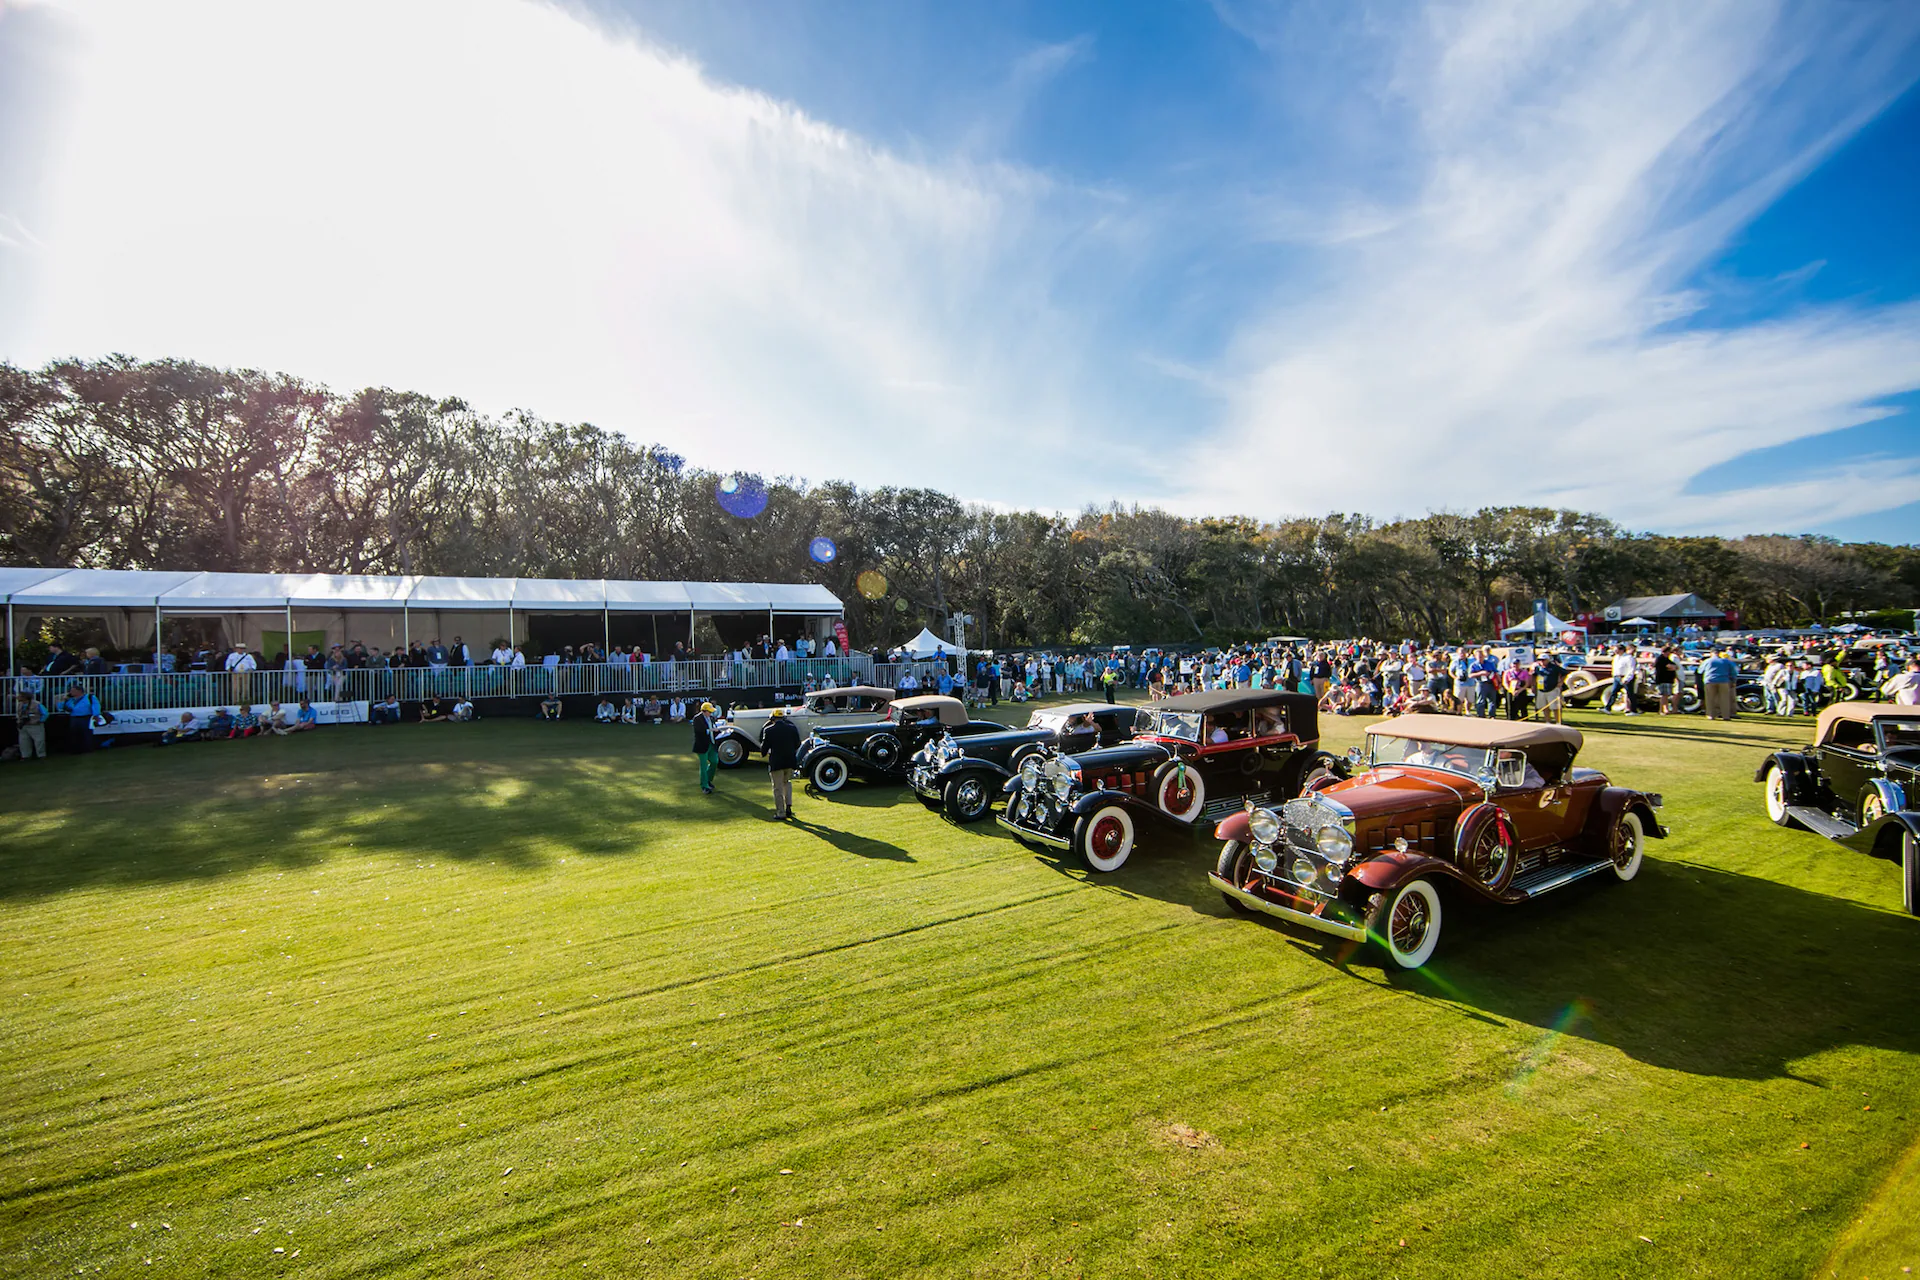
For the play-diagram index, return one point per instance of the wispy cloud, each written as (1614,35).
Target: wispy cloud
(1515,330)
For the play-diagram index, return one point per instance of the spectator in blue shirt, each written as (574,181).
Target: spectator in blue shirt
(81,707)
(1717,676)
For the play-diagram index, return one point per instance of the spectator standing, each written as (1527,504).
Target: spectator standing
(59,661)
(81,707)
(31,720)
(781,741)
(1717,675)
(703,746)
(1666,679)
(1903,689)
(1625,668)
(1549,679)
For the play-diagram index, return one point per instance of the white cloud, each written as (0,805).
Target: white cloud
(1506,336)
(491,199)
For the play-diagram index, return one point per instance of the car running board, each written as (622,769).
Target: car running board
(1821,822)
(1547,879)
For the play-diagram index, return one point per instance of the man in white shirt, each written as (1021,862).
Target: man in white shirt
(1625,668)
(240,659)
(1904,689)
(783,654)
(519,658)
(503,655)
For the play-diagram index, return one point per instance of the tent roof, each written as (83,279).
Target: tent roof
(80,590)
(1554,626)
(1684,605)
(84,590)
(926,644)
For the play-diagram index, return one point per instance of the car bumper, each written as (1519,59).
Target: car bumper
(925,782)
(1253,902)
(1034,835)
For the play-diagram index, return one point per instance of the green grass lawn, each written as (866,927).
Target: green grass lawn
(516,999)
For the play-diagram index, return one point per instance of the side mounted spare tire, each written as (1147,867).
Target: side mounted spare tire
(732,752)
(1179,793)
(883,750)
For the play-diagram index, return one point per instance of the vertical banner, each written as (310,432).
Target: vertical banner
(1540,619)
(1499,618)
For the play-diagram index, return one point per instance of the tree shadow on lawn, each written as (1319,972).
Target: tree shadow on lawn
(1695,733)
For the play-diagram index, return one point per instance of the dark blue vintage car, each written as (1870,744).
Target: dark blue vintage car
(1857,785)
(1199,756)
(880,750)
(965,775)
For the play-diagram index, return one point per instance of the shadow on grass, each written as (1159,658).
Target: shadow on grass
(1692,733)
(1686,968)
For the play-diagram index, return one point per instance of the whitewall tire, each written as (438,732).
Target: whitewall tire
(1629,841)
(1409,927)
(830,774)
(1105,838)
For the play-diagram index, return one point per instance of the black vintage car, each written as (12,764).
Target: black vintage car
(880,750)
(965,775)
(1193,757)
(1858,785)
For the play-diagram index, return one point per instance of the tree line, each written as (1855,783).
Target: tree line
(169,464)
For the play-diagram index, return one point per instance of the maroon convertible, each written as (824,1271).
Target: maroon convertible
(1490,808)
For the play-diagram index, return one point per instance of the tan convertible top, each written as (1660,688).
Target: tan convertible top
(863,690)
(1862,713)
(1465,731)
(951,710)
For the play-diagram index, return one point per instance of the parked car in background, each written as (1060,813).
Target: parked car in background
(879,750)
(1858,784)
(1492,809)
(966,775)
(738,736)
(1192,757)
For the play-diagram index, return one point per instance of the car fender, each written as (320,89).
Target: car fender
(1385,872)
(1131,803)
(1893,796)
(1883,835)
(1606,810)
(1797,767)
(732,732)
(808,758)
(1235,826)
(973,764)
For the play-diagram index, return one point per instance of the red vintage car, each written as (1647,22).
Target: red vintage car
(1492,809)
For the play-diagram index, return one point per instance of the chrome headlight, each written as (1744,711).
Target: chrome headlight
(1063,784)
(1264,824)
(1301,869)
(1265,858)
(1029,772)
(1334,843)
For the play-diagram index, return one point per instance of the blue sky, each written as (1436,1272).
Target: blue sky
(1651,260)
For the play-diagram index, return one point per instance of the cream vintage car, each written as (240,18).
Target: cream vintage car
(738,736)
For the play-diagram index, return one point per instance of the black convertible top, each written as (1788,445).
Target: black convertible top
(1237,700)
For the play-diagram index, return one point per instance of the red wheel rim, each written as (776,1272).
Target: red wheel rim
(1176,796)
(1107,834)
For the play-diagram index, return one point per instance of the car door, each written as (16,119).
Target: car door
(1845,770)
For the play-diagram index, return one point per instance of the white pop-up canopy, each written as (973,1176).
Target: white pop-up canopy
(929,645)
(1552,626)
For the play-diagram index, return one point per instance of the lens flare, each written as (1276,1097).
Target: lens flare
(1537,1056)
(872,584)
(822,550)
(742,496)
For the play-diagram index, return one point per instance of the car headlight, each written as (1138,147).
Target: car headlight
(1334,843)
(1265,858)
(1063,784)
(1265,825)
(1029,772)
(1302,869)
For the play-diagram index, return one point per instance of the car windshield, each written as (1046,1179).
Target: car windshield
(1471,761)
(1047,720)
(1895,734)
(1184,725)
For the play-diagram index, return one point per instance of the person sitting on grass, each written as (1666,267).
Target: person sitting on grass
(245,723)
(606,713)
(651,711)
(433,711)
(550,707)
(385,711)
(677,711)
(629,711)
(219,724)
(276,721)
(463,711)
(305,718)
(185,731)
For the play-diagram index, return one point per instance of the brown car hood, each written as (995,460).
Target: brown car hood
(1399,788)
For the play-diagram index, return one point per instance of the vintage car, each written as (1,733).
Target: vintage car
(738,736)
(879,750)
(965,775)
(1492,809)
(1588,678)
(1192,757)
(1858,784)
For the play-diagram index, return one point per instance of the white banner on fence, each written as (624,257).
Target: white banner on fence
(161,719)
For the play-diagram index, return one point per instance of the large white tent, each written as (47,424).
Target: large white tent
(381,608)
(1550,626)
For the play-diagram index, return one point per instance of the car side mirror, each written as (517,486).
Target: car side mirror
(1510,768)
(1354,757)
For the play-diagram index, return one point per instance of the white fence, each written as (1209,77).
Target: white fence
(143,691)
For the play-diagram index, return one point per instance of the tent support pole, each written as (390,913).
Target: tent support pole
(157,646)
(606,631)
(289,629)
(690,625)
(12,666)
(406,627)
